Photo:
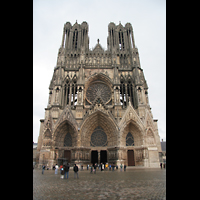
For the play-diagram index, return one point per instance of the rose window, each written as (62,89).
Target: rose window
(98,138)
(98,89)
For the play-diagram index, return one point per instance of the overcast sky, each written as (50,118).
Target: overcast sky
(148,18)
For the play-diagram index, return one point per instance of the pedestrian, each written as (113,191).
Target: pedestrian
(164,165)
(62,172)
(87,167)
(125,167)
(56,169)
(113,166)
(116,166)
(75,171)
(66,171)
(121,167)
(95,166)
(161,165)
(43,168)
(61,166)
(91,168)
(102,166)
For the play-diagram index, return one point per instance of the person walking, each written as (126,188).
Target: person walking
(66,171)
(75,171)
(56,169)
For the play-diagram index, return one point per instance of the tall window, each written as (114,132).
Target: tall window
(68,140)
(75,39)
(129,139)
(121,40)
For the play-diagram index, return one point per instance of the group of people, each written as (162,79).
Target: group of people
(102,167)
(162,165)
(64,170)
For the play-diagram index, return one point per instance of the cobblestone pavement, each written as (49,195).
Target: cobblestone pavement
(131,184)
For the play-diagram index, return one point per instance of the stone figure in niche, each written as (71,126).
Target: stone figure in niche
(79,97)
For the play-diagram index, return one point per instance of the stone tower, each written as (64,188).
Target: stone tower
(98,109)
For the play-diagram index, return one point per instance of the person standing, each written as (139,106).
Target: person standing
(43,168)
(91,168)
(121,167)
(75,171)
(102,166)
(62,172)
(124,167)
(56,169)
(161,165)
(66,171)
(95,166)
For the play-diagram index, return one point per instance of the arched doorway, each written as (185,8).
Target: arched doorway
(95,156)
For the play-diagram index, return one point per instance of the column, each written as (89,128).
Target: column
(99,155)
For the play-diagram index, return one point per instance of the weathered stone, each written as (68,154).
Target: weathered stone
(98,88)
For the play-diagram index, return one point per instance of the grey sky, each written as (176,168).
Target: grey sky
(148,18)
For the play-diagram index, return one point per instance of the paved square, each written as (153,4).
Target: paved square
(132,184)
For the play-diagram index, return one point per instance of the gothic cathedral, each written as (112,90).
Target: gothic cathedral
(98,109)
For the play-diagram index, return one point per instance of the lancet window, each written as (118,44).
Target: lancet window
(129,139)
(68,140)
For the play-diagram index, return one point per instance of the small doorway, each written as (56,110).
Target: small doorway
(103,156)
(131,161)
(94,157)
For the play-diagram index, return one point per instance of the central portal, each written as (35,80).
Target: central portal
(94,157)
(103,156)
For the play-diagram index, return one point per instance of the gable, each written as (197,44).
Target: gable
(98,49)
(66,115)
(130,114)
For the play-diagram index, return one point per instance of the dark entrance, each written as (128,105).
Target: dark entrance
(103,156)
(131,161)
(67,155)
(94,157)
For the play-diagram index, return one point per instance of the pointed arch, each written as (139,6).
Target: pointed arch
(65,135)
(131,134)
(99,119)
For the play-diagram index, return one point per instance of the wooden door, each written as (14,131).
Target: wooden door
(131,161)
(67,155)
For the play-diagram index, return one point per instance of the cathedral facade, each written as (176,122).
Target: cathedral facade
(98,109)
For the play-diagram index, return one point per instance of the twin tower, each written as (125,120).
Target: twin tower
(76,37)
(98,109)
